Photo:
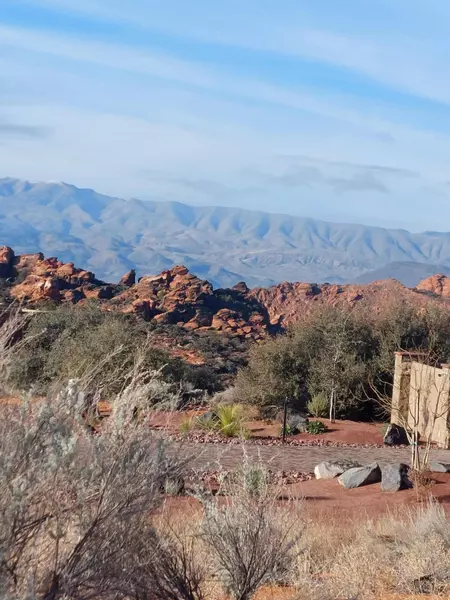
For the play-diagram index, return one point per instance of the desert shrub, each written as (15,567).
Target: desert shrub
(316,427)
(344,356)
(318,405)
(252,539)
(255,480)
(397,554)
(71,500)
(288,430)
(172,560)
(276,370)
(68,341)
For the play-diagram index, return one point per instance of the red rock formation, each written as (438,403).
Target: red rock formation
(437,284)
(129,279)
(178,297)
(48,279)
(287,302)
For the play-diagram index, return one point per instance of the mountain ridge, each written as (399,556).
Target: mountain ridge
(224,245)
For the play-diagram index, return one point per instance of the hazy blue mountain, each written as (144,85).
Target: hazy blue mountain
(111,235)
(409,273)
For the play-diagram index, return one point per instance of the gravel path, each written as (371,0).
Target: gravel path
(291,458)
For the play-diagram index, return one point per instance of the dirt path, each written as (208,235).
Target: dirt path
(291,458)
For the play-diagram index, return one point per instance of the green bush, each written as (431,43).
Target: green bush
(276,370)
(70,341)
(318,406)
(316,427)
(347,355)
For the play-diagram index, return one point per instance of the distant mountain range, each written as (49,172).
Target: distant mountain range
(224,245)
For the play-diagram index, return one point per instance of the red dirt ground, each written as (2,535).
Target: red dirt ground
(327,499)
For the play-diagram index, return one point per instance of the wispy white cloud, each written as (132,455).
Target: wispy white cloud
(405,57)
(118,111)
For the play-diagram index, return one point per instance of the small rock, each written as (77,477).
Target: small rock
(330,470)
(438,467)
(394,477)
(359,476)
(129,279)
(396,436)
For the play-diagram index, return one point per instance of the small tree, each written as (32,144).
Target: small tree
(275,370)
(338,347)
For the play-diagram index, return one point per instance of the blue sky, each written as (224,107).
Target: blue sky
(336,109)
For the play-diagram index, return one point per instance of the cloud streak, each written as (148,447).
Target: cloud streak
(337,110)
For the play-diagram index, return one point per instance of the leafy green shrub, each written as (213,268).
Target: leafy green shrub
(316,427)
(318,405)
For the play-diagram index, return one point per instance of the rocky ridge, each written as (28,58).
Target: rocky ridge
(178,297)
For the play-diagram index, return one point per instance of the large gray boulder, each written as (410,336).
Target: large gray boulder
(359,476)
(394,477)
(330,470)
(438,467)
(297,423)
(395,436)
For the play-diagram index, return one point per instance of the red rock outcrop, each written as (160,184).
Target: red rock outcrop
(50,279)
(177,297)
(437,284)
(287,302)
(129,279)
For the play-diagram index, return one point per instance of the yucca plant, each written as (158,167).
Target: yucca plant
(230,420)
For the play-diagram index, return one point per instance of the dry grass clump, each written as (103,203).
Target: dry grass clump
(405,553)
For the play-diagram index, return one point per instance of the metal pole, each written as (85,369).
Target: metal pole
(285,419)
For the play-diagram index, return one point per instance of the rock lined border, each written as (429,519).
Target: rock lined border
(206,438)
(216,476)
(392,477)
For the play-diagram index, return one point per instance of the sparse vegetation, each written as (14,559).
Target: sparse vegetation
(253,540)
(340,359)
(67,340)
